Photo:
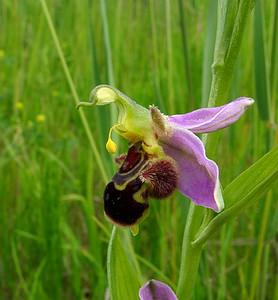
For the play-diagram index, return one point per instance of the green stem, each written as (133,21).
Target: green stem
(261,244)
(210,36)
(190,254)
(228,41)
(227,46)
(108,52)
(107,45)
(171,102)
(185,53)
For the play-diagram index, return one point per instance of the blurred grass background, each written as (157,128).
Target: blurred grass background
(53,234)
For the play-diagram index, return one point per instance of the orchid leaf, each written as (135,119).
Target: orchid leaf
(124,275)
(253,182)
(245,190)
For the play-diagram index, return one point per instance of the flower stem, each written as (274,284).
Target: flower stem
(190,254)
(232,18)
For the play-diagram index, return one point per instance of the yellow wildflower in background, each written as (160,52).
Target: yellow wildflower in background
(2,53)
(40,118)
(19,105)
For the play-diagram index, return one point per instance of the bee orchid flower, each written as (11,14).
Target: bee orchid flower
(155,289)
(165,154)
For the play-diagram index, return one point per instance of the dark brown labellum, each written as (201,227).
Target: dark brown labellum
(139,177)
(120,206)
(133,163)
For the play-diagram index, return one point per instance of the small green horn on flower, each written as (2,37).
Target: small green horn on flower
(100,95)
(134,121)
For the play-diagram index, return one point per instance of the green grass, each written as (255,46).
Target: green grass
(53,234)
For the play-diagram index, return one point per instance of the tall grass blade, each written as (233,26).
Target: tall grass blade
(187,67)
(110,70)
(93,45)
(209,44)
(95,246)
(274,63)
(257,266)
(263,84)
(261,78)
(156,56)
(22,281)
(170,91)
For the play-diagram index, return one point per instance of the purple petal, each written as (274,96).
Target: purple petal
(211,119)
(198,175)
(156,290)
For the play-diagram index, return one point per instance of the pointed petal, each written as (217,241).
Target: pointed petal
(198,175)
(155,289)
(211,119)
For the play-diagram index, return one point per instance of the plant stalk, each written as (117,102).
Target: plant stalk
(190,254)
(227,45)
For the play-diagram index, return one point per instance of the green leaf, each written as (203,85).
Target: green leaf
(254,182)
(261,78)
(124,275)
(210,35)
(245,190)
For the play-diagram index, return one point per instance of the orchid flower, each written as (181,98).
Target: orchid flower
(165,154)
(155,289)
